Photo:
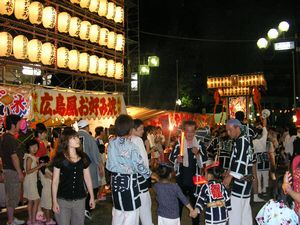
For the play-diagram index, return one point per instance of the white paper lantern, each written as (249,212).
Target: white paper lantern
(95,33)
(102,11)
(119,15)
(94,6)
(103,36)
(34,50)
(6,44)
(102,66)
(119,73)
(75,1)
(111,67)
(84,60)
(64,20)
(7,7)
(85,3)
(73,63)
(20,43)
(111,41)
(22,9)
(62,57)
(111,10)
(120,42)
(74,29)
(36,12)
(84,33)
(93,67)
(49,17)
(48,53)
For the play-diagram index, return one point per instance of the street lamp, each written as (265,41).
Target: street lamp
(273,33)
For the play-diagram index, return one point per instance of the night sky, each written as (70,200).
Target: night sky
(228,31)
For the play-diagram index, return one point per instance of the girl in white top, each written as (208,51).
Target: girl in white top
(45,175)
(31,167)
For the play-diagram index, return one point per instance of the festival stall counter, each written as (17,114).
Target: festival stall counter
(57,106)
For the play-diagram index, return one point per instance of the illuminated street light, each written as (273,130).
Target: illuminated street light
(273,33)
(283,26)
(262,43)
(178,102)
(153,61)
(144,70)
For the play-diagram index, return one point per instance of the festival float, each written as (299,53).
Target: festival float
(240,92)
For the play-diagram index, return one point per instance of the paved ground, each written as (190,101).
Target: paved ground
(102,213)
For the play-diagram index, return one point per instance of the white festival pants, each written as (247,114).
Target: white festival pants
(120,217)
(145,209)
(167,221)
(264,176)
(241,213)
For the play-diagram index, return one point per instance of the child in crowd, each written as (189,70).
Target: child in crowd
(125,163)
(167,195)
(45,175)
(31,167)
(278,210)
(99,136)
(214,197)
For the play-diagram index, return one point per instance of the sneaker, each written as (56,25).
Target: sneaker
(40,217)
(51,222)
(258,199)
(87,214)
(17,221)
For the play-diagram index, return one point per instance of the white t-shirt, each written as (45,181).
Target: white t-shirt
(260,145)
(141,147)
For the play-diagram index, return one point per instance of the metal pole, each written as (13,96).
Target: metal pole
(177,81)
(294,80)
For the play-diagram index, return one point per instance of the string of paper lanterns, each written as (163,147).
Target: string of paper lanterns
(103,8)
(74,26)
(36,51)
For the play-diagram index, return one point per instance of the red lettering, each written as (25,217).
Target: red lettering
(72,106)
(45,104)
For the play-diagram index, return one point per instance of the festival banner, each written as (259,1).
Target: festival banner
(70,104)
(14,100)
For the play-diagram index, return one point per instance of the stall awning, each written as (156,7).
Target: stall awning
(143,113)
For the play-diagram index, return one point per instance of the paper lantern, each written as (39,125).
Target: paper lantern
(111,67)
(84,33)
(120,42)
(102,11)
(75,1)
(6,44)
(36,12)
(22,9)
(74,29)
(93,67)
(64,20)
(95,33)
(73,63)
(94,6)
(84,62)
(34,50)
(119,71)
(111,10)
(49,17)
(119,15)
(111,41)
(102,66)
(85,3)
(62,57)
(48,53)
(20,43)
(103,36)
(7,7)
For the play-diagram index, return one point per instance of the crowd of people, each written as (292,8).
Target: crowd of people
(214,176)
